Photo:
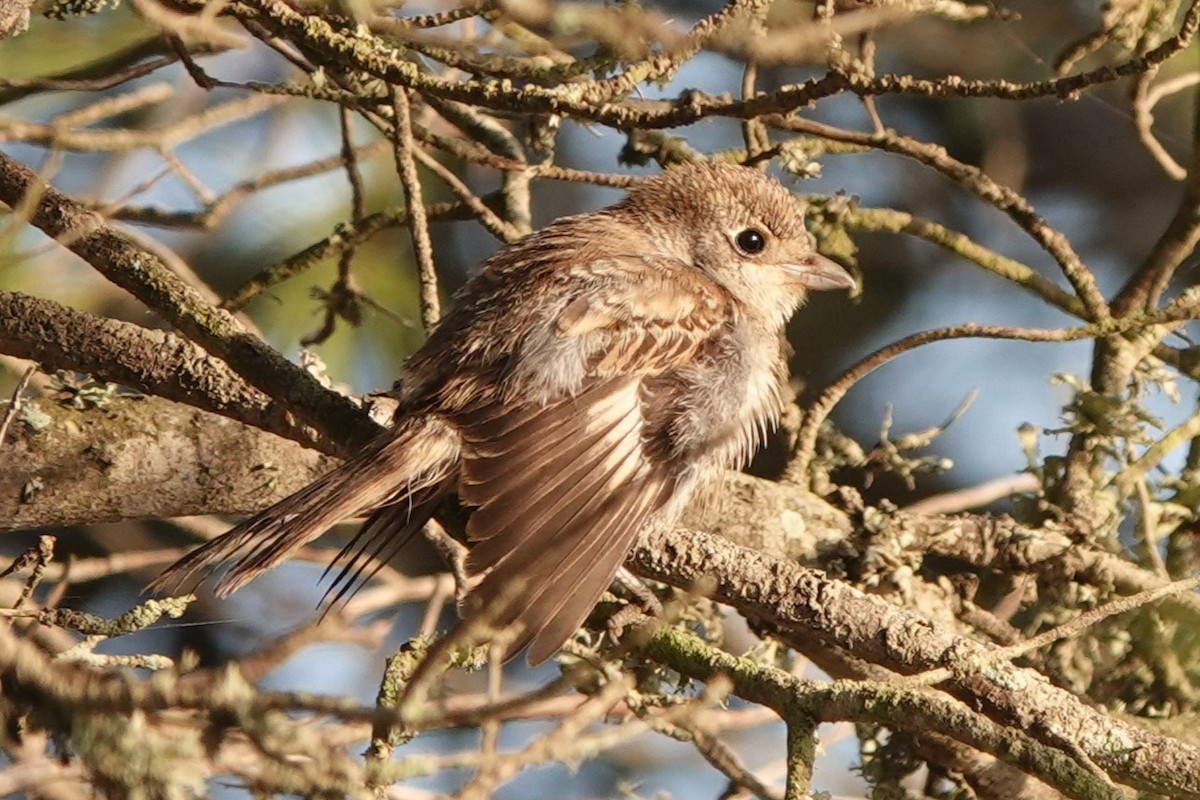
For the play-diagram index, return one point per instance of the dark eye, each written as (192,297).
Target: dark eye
(751,241)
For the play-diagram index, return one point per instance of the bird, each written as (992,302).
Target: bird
(593,378)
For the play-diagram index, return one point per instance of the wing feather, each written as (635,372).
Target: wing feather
(534,491)
(588,573)
(575,511)
(563,569)
(559,511)
(535,455)
(563,483)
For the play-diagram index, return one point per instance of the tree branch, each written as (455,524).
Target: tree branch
(150,361)
(145,276)
(152,458)
(870,628)
(141,458)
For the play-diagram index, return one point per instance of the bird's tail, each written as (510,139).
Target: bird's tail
(399,476)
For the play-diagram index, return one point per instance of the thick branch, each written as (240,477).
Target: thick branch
(152,458)
(884,703)
(141,458)
(769,517)
(790,595)
(145,276)
(154,362)
(241,469)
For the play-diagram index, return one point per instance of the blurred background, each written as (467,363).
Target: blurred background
(1079,162)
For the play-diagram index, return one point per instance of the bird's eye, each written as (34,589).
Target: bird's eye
(751,241)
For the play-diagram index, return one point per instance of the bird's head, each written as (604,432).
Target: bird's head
(742,229)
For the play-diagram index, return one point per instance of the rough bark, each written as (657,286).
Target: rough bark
(140,458)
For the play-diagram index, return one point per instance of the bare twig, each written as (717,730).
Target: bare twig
(14,404)
(816,413)
(975,496)
(418,224)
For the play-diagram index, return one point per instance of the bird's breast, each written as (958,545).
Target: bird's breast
(715,413)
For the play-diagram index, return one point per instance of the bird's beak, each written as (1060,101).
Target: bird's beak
(816,272)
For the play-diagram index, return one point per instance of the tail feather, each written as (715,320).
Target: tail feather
(400,467)
(381,537)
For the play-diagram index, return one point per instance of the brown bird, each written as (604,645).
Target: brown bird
(590,379)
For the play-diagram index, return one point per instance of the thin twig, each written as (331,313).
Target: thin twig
(501,229)
(1087,619)
(1143,124)
(418,223)
(14,405)
(974,180)
(975,496)
(819,409)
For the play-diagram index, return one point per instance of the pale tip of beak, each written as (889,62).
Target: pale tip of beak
(819,274)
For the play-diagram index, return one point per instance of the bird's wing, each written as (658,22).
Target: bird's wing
(562,487)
